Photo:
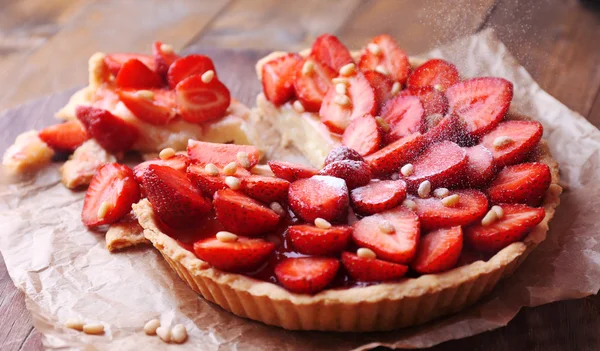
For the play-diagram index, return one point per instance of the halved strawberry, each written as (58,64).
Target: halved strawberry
(355,173)
(525,136)
(390,158)
(524,183)
(378,196)
(340,153)
(403,114)
(241,255)
(362,102)
(399,246)
(64,137)
(306,275)
(472,206)
(243,215)
(480,102)
(111,132)
(110,195)
(433,100)
(390,57)
(158,110)
(220,154)
(311,240)
(371,269)
(208,183)
(438,251)
(278,77)
(319,197)
(136,75)
(518,220)
(480,167)
(311,87)
(291,171)
(435,73)
(178,162)
(442,164)
(115,61)
(328,50)
(382,86)
(265,189)
(363,135)
(200,102)
(162,59)
(449,127)
(188,66)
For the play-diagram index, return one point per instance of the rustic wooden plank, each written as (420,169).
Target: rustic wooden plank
(594,114)
(15,324)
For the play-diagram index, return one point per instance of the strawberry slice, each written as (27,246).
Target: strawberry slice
(403,114)
(442,164)
(291,171)
(111,132)
(525,136)
(241,255)
(363,135)
(188,66)
(355,173)
(399,246)
(110,195)
(278,78)
(371,269)
(438,251)
(136,75)
(311,87)
(524,183)
(208,183)
(472,206)
(518,220)
(115,61)
(221,154)
(178,162)
(328,50)
(390,57)
(378,196)
(450,127)
(310,240)
(432,100)
(65,137)
(480,167)
(158,110)
(435,73)
(319,197)
(243,215)
(362,102)
(481,102)
(265,189)
(200,102)
(382,85)
(390,158)
(341,153)
(306,275)
(163,59)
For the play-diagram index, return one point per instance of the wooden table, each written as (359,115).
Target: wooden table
(45,44)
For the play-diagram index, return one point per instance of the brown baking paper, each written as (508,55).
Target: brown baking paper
(65,270)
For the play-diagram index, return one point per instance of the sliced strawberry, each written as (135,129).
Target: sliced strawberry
(178,162)
(355,173)
(391,58)
(265,189)
(443,164)
(110,195)
(115,61)
(382,85)
(432,100)
(390,158)
(200,102)
(518,220)
(449,127)
(163,59)
(311,240)
(363,135)
(306,275)
(278,78)
(111,132)
(311,87)
(208,183)
(243,215)
(330,51)
(362,102)
(378,196)
(472,206)
(221,154)
(480,102)
(188,66)
(64,137)
(399,246)
(291,171)
(341,153)
(403,114)
(241,255)
(319,197)
(135,75)
(438,251)
(158,110)
(525,136)
(435,73)
(371,269)
(480,167)
(524,183)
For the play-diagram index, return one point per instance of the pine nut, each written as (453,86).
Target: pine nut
(233,183)
(410,204)
(178,334)
(441,193)
(93,328)
(151,326)
(374,49)
(211,169)
(407,170)
(208,76)
(340,80)
(365,253)
(340,88)
(277,208)
(395,88)
(104,209)
(381,69)
(297,105)
(230,169)
(382,124)
(386,227)
(145,94)
(322,223)
(243,159)
(226,237)
(74,323)
(499,211)
(502,141)
(451,201)
(342,100)
(489,218)
(166,153)
(308,68)
(438,87)
(394,176)
(424,189)
(164,333)
(348,70)
(166,48)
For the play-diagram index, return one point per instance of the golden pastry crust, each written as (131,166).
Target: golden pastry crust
(122,235)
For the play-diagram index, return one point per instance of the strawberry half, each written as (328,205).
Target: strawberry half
(399,246)
(524,183)
(390,158)
(306,275)
(242,255)
(390,57)
(432,100)
(188,66)
(382,86)
(110,195)
(278,78)
(115,61)
(311,87)
(162,59)
(403,114)
(341,153)
(177,162)
(480,167)
(372,269)
(378,196)
(525,136)
(438,251)
(363,135)
(355,173)
(65,137)
(265,189)
(158,110)
(136,75)
(208,183)
(518,220)
(319,197)
(111,132)
(220,154)
(291,171)
(200,102)
(472,206)
(243,215)
(310,240)
(442,164)
(328,50)
(435,73)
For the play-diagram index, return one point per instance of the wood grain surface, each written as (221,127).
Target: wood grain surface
(44,47)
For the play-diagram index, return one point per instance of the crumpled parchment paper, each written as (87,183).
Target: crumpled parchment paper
(66,271)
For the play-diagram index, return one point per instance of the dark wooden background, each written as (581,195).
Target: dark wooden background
(45,44)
